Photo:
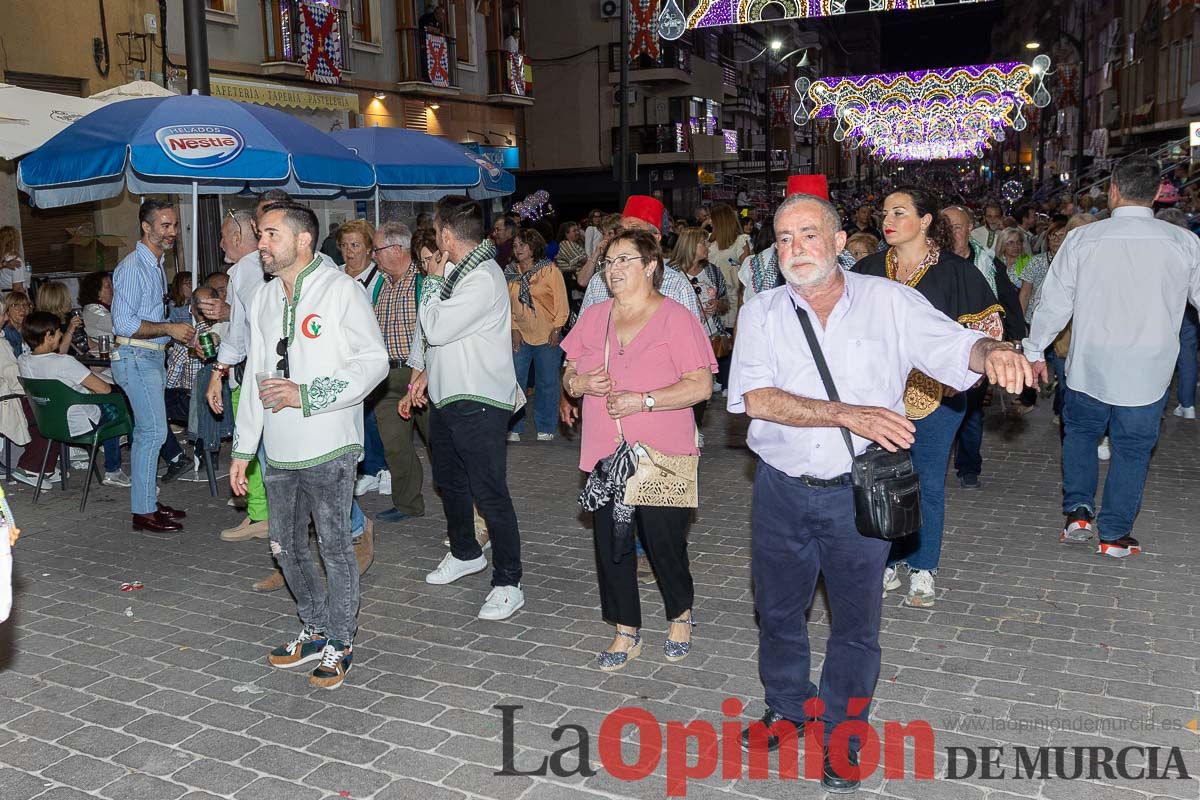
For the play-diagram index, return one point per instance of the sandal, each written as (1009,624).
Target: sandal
(608,661)
(678,651)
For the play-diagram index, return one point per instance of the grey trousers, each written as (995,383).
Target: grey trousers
(325,493)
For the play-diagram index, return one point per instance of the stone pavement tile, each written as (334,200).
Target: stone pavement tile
(214,776)
(275,789)
(74,675)
(286,732)
(31,755)
(282,761)
(19,785)
(64,793)
(84,772)
(415,764)
(58,698)
(142,787)
(227,717)
(47,725)
(406,708)
(347,749)
(407,734)
(12,709)
(97,741)
(344,777)
(162,728)
(173,703)
(406,789)
(219,745)
(121,689)
(481,780)
(155,759)
(346,721)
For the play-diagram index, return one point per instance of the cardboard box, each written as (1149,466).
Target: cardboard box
(94,252)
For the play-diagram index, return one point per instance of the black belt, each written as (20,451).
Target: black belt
(825,483)
(396,363)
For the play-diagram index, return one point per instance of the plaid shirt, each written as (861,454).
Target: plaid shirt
(182,364)
(396,310)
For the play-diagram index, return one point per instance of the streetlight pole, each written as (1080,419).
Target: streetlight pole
(623,147)
(767,127)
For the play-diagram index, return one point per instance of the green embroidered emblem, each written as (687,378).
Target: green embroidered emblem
(323,392)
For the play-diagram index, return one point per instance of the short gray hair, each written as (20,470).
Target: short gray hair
(244,219)
(395,233)
(827,210)
(1136,178)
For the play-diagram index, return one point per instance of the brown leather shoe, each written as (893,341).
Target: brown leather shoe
(364,548)
(171,513)
(272,583)
(155,523)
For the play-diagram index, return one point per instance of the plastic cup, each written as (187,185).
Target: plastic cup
(259,377)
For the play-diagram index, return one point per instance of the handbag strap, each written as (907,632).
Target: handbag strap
(822,368)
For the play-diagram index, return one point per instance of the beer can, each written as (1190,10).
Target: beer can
(207,346)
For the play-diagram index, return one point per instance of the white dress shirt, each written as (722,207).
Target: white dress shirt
(1123,282)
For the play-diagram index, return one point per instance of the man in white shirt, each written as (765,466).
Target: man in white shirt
(993,223)
(466,322)
(1124,282)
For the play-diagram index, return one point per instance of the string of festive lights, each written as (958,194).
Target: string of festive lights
(710,13)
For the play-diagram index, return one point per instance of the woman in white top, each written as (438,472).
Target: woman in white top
(354,240)
(14,272)
(95,297)
(728,249)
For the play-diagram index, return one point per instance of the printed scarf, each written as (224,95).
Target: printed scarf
(484,251)
(764,274)
(525,295)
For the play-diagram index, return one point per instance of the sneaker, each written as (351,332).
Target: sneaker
(335,663)
(1078,527)
(451,569)
(969,482)
(367,483)
(118,478)
(246,530)
(502,602)
(513,436)
(1187,412)
(1104,450)
(31,478)
(304,648)
(891,580)
(920,589)
(545,437)
(385,482)
(1120,548)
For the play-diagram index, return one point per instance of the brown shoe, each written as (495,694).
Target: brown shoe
(272,583)
(364,548)
(245,531)
(155,523)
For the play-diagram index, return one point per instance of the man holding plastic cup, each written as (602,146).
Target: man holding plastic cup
(316,353)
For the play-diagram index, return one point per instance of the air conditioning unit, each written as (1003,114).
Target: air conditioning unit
(633,96)
(610,9)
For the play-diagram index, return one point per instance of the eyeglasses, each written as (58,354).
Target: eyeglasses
(281,350)
(621,262)
(377,250)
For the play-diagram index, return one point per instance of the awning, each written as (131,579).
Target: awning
(276,94)
(1191,104)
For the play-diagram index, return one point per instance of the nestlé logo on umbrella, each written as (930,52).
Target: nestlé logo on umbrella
(200,146)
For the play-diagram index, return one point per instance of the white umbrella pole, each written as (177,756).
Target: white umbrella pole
(376,206)
(195,233)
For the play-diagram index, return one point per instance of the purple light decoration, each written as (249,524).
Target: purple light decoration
(976,82)
(712,13)
(285,29)
(731,142)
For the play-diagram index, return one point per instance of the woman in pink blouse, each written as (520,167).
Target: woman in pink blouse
(660,364)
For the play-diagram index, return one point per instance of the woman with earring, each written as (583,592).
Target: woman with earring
(920,254)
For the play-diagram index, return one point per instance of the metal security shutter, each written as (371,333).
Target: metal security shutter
(415,117)
(45,83)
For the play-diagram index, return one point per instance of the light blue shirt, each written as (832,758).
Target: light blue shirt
(674,285)
(878,332)
(139,289)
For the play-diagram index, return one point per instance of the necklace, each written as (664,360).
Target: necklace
(892,264)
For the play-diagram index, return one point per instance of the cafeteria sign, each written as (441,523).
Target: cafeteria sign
(285,96)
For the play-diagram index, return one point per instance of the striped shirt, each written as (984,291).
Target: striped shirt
(675,285)
(396,310)
(139,293)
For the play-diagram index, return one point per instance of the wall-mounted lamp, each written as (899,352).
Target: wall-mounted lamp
(507,140)
(380,96)
(433,105)
(483,136)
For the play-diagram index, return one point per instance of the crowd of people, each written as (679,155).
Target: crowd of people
(330,374)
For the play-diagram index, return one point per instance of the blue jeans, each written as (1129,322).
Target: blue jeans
(930,453)
(112,445)
(1059,365)
(373,461)
(546,360)
(968,460)
(142,374)
(797,533)
(1132,433)
(1189,337)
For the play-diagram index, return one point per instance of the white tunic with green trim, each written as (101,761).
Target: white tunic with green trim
(334,351)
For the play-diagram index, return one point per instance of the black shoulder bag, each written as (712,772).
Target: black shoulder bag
(887,492)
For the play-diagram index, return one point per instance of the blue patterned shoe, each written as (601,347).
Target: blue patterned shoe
(611,662)
(678,651)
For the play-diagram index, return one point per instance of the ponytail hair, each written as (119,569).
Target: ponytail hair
(925,202)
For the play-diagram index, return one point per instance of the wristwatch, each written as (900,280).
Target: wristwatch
(648,401)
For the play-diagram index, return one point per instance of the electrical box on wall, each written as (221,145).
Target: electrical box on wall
(151,24)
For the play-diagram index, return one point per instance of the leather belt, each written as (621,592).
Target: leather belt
(142,343)
(825,483)
(395,363)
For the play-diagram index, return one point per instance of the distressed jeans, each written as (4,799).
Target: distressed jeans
(325,492)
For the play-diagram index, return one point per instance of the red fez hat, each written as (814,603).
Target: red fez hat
(645,208)
(815,185)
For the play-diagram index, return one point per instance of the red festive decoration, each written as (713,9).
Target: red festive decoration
(437,59)
(779,107)
(322,42)
(643,28)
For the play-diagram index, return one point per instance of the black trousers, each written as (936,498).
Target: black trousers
(470,467)
(663,533)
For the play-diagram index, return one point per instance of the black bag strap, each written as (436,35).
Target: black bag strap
(822,368)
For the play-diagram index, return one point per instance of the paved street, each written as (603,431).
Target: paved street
(164,693)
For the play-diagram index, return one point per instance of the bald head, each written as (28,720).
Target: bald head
(639,224)
(960,222)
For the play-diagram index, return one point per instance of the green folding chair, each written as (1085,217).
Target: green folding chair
(50,400)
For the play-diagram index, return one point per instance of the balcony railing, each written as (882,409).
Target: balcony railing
(654,139)
(284,42)
(430,58)
(670,56)
(509,74)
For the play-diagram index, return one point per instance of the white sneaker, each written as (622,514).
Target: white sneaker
(385,482)
(545,437)
(118,478)
(920,589)
(451,569)
(367,483)
(1103,450)
(513,436)
(502,602)
(1187,412)
(891,579)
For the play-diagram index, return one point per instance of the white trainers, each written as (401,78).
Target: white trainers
(545,437)
(1103,450)
(451,569)
(118,478)
(502,602)
(513,436)
(367,483)
(1187,412)
(385,482)
(891,579)
(920,589)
